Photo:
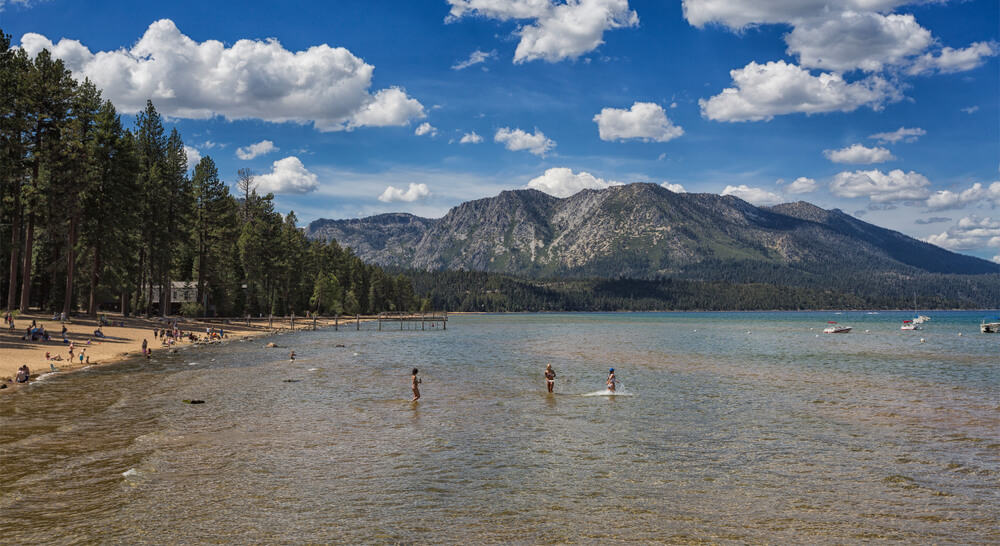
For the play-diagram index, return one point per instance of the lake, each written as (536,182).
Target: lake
(733,427)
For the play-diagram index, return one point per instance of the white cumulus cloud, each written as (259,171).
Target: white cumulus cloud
(945,199)
(676,188)
(475,58)
(970,233)
(287,175)
(193,156)
(412,193)
(516,139)
(553,31)
(859,154)
(737,14)
(260,148)
(252,79)
(903,133)
(756,196)
(891,187)
(563,182)
(802,184)
(762,91)
(950,60)
(646,121)
(425,129)
(852,40)
(470,138)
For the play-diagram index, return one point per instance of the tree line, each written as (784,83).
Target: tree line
(493,292)
(98,216)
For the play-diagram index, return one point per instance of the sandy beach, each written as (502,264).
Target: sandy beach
(120,341)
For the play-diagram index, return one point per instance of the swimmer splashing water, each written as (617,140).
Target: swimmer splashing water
(611,380)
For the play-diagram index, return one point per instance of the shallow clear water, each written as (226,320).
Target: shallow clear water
(740,427)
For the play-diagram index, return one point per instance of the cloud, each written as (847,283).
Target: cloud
(22,3)
(470,138)
(193,156)
(852,40)
(859,154)
(516,139)
(738,14)
(412,193)
(903,133)
(970,233)
(475,57)
(945,199)
(995,259)
(676,188)
(932,220)
(261,148)
(802,184)
(287,175)
(757,196)
(563,182)
(894,186)
(646,121)
(425,129)
(970,110)
(763,91)
(950,60)
(252,79)
(556,30)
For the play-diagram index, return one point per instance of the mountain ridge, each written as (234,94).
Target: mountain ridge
(639,230)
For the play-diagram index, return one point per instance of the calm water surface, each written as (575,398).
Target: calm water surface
(739,427)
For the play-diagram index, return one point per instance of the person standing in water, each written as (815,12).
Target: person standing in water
(550,377)
(611,380)
(415,385)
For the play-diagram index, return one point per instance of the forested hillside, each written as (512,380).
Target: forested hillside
(95,215)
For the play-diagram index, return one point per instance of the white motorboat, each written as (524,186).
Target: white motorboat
(835,328)
(909,325)
(989,327)
(920,319)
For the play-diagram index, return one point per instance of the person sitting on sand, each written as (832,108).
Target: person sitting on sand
(415,385)
(98,332)
(550,377)
(611,380)
(22,374)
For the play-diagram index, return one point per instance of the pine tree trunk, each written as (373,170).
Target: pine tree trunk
(15,244)
(70,265)
(29,239)
(94,279)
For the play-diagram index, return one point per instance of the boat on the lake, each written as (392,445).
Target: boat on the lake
(920,319)
(990,327)
(909,325)
(835,328)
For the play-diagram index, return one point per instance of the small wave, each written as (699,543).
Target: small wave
(192,363)
(606,392)
(313,369)
(45,376)
(130,472)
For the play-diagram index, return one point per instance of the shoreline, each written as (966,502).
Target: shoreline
(121,343)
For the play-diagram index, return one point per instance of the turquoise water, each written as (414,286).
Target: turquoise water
(739,427)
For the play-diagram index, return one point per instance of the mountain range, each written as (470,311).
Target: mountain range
(642,231)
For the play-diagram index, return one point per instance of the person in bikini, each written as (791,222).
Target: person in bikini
(550,377)
(611,380)
(415,385)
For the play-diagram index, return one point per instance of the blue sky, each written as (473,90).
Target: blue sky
(885,109)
